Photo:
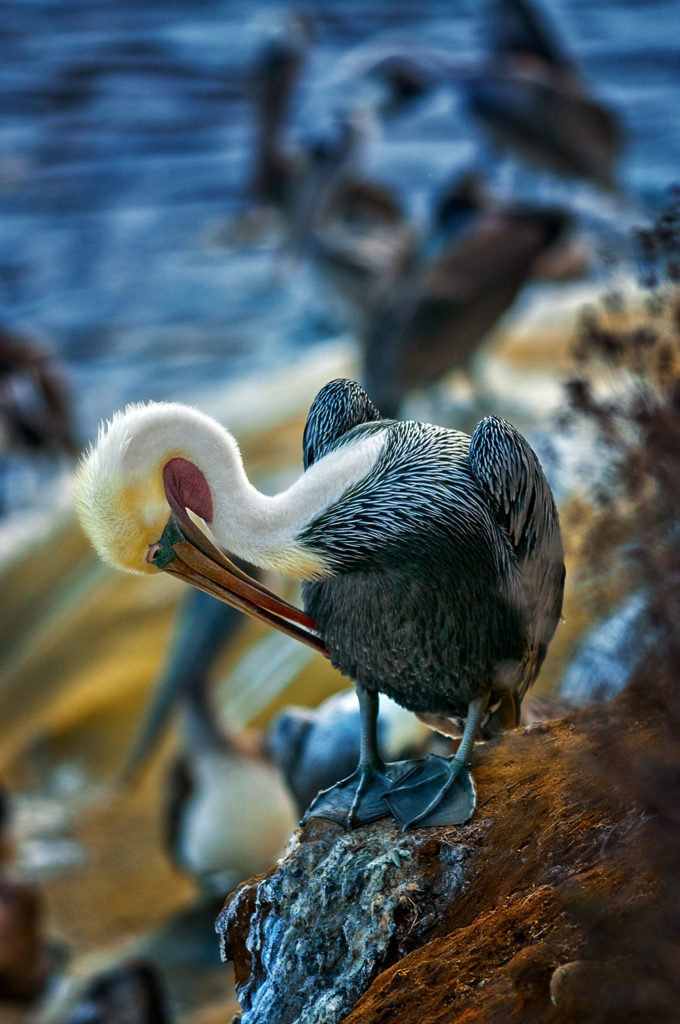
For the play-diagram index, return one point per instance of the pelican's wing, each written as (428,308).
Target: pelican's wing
(339,406)
(510,474)
(496,256)
(518,30)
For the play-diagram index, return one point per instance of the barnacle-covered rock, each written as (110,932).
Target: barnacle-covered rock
(573,843)
(339,908)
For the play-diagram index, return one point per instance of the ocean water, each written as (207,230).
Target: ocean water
(125,147)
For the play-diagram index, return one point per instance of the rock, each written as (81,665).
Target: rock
(529,971)
(338,908)
(630,992)
(576,986)
(571,856)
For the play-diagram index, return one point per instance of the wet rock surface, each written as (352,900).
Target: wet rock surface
(341,906)
(561,864)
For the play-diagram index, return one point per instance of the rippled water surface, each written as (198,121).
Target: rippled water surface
(125,142)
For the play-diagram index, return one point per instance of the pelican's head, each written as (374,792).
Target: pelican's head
(141,467)
(149,465)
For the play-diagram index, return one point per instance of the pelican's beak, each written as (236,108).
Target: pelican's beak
(184,550)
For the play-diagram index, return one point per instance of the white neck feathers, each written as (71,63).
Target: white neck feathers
(261,529)
(265,530)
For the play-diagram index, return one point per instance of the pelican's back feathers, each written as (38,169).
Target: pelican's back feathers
(509,473)
(340,405)
(506,468)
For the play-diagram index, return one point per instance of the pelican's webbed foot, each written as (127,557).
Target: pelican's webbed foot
(438,791)
(358,799)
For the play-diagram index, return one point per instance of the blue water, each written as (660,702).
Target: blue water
(125,141)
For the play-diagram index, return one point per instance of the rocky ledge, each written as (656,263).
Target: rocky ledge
(546,907)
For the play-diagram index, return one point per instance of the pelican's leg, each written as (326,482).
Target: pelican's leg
(359,798)
(371,769)
(440,791)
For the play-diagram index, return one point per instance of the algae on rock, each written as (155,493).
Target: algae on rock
(333,914)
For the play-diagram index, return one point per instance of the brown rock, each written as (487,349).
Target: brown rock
(626,988)
(341,905)
(530,971)
(468,923)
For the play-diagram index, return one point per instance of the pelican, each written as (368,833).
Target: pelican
(422,309)
(27,958)
(528,94)
(356,231)
(35,414)
(313,747)
(227,814)
(533,102)
(129,993)
(306,181)
(328,172)
(431,563)
(444,303)
(518,29)
(276,72)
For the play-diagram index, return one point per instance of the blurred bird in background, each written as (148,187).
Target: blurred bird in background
(314,747)
(36,418)
(445,303)
(274,77)
(534,103)
(527,95)
(6,845)
(27,958)
(422,296)
(129,993)
(227,813)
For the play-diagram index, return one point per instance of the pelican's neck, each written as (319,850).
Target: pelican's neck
(265,530)
(164,453)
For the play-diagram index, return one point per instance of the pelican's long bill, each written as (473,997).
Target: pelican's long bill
(183,550)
